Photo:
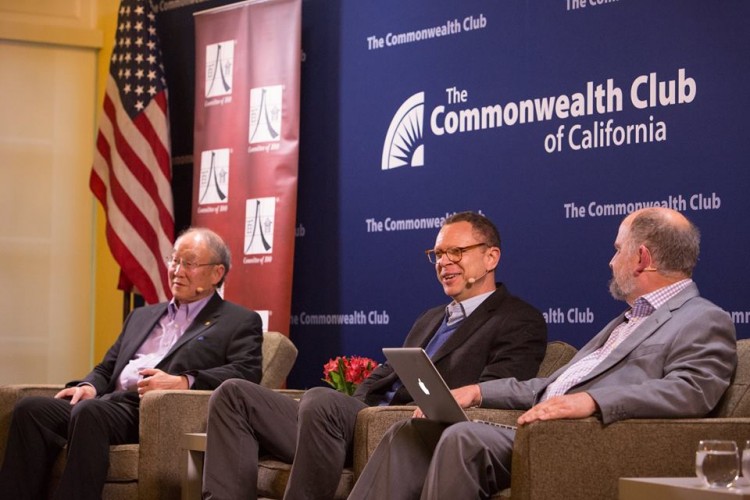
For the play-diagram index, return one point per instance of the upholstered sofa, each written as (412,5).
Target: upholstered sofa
(151,470)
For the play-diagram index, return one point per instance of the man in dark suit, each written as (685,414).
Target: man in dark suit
(483,334)
(195,341)
(671,354)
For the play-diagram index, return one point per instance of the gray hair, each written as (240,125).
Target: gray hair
(216,246)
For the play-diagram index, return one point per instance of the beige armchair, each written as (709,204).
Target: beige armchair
(584,459)
(151,470)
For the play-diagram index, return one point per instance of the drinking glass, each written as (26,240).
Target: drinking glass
(717,463)
(746,461)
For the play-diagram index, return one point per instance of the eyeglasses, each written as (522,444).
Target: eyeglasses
(454,253)
(187,265)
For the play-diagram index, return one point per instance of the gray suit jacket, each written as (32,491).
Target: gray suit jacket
(677,363)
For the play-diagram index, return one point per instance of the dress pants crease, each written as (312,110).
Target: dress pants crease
(397,468)
(327,420)
(95,424)
(421,458)
(245,420)
(39,424)
(42,426)
(471,460)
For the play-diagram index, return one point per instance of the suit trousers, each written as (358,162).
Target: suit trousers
(246,421)
(41,426)
(421,458)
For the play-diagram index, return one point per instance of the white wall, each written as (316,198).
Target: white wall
(48,51)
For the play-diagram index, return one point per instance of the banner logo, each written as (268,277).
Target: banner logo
(260,215)
(219,63)
(214,177)
(265,114)
(404,142)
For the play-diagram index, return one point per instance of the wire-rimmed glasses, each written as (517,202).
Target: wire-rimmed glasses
(187,265)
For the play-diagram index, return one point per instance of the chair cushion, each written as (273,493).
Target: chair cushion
(273,476)
(123,464)
(736,400)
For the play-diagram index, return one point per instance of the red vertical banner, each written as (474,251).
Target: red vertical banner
(246,146)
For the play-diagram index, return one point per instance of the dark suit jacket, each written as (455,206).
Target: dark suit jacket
(503,337)
(224,341)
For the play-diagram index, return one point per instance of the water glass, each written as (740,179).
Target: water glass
(746,461)
(717,463)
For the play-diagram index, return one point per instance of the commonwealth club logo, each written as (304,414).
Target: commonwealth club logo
(404,142)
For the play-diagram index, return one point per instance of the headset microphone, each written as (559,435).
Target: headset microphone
(199,290)
(471,281)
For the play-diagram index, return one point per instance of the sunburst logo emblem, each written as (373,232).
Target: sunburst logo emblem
(404,142)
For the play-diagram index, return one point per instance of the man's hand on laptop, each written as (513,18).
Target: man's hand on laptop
(468,396)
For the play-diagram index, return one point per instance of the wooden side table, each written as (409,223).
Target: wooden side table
(679,488)
(194,444)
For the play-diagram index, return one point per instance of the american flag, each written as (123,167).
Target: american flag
(131,174)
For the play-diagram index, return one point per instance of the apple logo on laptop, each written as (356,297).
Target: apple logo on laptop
(423,386)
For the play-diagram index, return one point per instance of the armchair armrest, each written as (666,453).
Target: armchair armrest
(165,417)
(9,395)
(371,425)
(506,417)
(583,459)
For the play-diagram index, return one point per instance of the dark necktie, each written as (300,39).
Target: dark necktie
(441,336)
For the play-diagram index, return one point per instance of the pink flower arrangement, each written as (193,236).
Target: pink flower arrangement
(345,374)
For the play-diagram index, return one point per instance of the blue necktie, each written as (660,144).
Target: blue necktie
(441,336)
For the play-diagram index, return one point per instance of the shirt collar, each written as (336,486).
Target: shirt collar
(456,311)
(188,310)
(648,303)
(659,297)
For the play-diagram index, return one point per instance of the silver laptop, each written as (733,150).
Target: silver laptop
(428,389)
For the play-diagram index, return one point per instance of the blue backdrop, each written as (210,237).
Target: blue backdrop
(590,109)
(552,117)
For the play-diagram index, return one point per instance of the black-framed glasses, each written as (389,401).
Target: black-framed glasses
(187,265)
(454,253)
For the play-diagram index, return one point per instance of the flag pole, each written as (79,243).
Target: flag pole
(127,304)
